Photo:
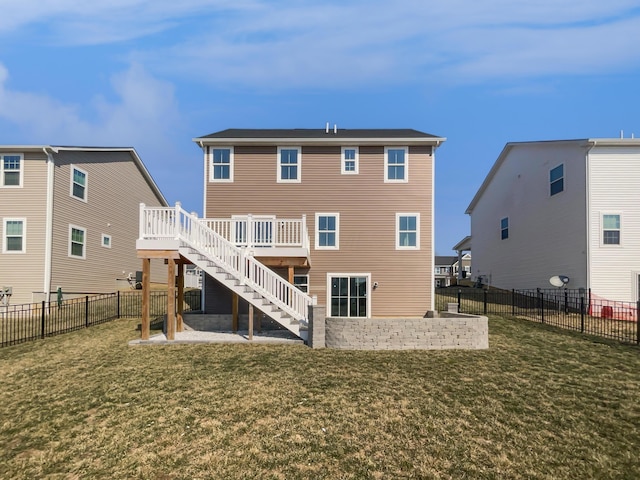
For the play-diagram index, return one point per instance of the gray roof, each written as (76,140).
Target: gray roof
(445,260)
(310,133)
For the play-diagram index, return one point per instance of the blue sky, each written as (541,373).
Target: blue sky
(153,74)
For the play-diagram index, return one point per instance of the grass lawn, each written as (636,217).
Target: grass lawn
(539,404)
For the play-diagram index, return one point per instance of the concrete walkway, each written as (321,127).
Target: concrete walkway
(198,337)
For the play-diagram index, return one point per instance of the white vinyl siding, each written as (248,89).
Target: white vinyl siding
(614,176)
(14,235)
(11,170)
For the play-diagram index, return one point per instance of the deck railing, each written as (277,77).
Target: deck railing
(257,231)
(163,223)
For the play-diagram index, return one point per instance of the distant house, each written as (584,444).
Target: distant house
(342,216)
(66,218)
(561,208)
(446,269)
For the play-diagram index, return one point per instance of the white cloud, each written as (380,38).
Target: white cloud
(143,115)
(280,44)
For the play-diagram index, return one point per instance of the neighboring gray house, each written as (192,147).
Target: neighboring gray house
(569,207)
(68,218)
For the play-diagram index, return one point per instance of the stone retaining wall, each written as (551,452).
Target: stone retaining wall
(449,331)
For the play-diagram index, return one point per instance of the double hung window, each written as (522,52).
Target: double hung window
(289,164)
(11,170)
(327,230)
(14,232)
(77,241)
(396,164)
(78,183)
(611,229)
(349,160)
(221,164)
(407,231)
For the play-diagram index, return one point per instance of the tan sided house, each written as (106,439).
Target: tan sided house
(66,218)
(339,217)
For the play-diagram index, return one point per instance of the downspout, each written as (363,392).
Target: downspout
(48,231)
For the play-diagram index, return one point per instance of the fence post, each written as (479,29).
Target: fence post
(42,322)
(582,314)
(86,311)
(459,297)
(485,302)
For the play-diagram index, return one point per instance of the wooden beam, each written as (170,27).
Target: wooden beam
(284,261)
(179,323)
(250,322)
(159,254)
(234,312)
(171,300)
(146,299)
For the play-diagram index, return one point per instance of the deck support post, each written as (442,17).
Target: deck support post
(180,309)
(145,327)
(234,312)
(171,299)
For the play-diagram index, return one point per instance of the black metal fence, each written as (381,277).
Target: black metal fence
(570,309)
(23,323)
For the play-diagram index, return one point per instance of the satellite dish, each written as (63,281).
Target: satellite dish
(559,280)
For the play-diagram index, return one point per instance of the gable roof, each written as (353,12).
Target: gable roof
(586,143)
(445,260)
(58,148)
(320,136)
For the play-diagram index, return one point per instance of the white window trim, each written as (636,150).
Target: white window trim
(299,164)
(386,165)
(330,275)
(84,245)
(104,236)
(564,184)
(329,214)
(231,164)
(86,184)
(601,233)
(397,230)
(4,235)
(507,229)
(356,160)
(21,171)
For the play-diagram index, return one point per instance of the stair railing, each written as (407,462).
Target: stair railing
(177,223)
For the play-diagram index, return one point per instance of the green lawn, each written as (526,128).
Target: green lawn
(539,404)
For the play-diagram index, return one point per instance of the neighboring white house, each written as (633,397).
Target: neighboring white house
(569,207)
